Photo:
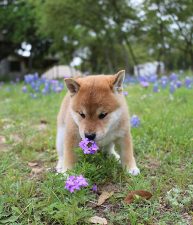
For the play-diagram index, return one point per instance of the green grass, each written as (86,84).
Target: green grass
(163,147)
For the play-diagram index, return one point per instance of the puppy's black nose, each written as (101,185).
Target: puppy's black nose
(90,136)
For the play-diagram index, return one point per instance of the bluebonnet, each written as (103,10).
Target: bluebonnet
(135,121)
(24,89)
(172,88)
(178,83)
(173,77)
(152,78)
(155,87)
(188,82)
(164,81)
(42,86)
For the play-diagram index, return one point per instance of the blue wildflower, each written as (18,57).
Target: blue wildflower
(24,89)
(173,76)
(155,87)
(178,83)
(187,82)
(135,121)
(172,88)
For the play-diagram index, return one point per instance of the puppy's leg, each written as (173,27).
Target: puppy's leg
(110,149)
(60,147)
(127,157)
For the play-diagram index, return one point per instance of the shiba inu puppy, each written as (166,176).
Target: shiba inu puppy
(95,108)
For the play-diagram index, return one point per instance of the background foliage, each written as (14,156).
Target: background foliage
(106,34)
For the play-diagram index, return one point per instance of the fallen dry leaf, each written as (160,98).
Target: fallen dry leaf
(104,196)
(131,195)
(35,168)
(98,220)
(32,164)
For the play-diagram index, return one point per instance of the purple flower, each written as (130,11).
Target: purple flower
(125,93)
(144,84)
(188,82)
(135,121)
(164,81)
(163,84)
(152,78)
(24,89)
(75,183)
(88,146)
(173,76)
(142,78)
(178,83)
(172,88)
(67,76)
(155,87)
(42,86)
(94,188)
(57,89)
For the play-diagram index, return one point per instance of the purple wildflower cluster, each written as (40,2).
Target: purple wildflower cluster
(35,85)
(173,82)
(75,183)
(88,146)
(135,121)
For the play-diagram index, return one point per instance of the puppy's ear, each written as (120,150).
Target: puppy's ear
(118,81)
(72,85)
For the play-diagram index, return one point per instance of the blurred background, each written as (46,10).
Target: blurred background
(95,36)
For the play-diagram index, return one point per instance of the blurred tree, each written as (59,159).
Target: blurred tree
(17,25)
(170,31)
(106,34)
(101,32)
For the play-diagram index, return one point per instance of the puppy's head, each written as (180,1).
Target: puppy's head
(95,107)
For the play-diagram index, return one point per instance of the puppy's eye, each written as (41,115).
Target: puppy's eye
(82,115)
(102,116)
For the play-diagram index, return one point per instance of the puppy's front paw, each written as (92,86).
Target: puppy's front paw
(134,171)
(60,170)
(60,167)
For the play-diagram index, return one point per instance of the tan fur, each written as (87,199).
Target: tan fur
(93,95)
